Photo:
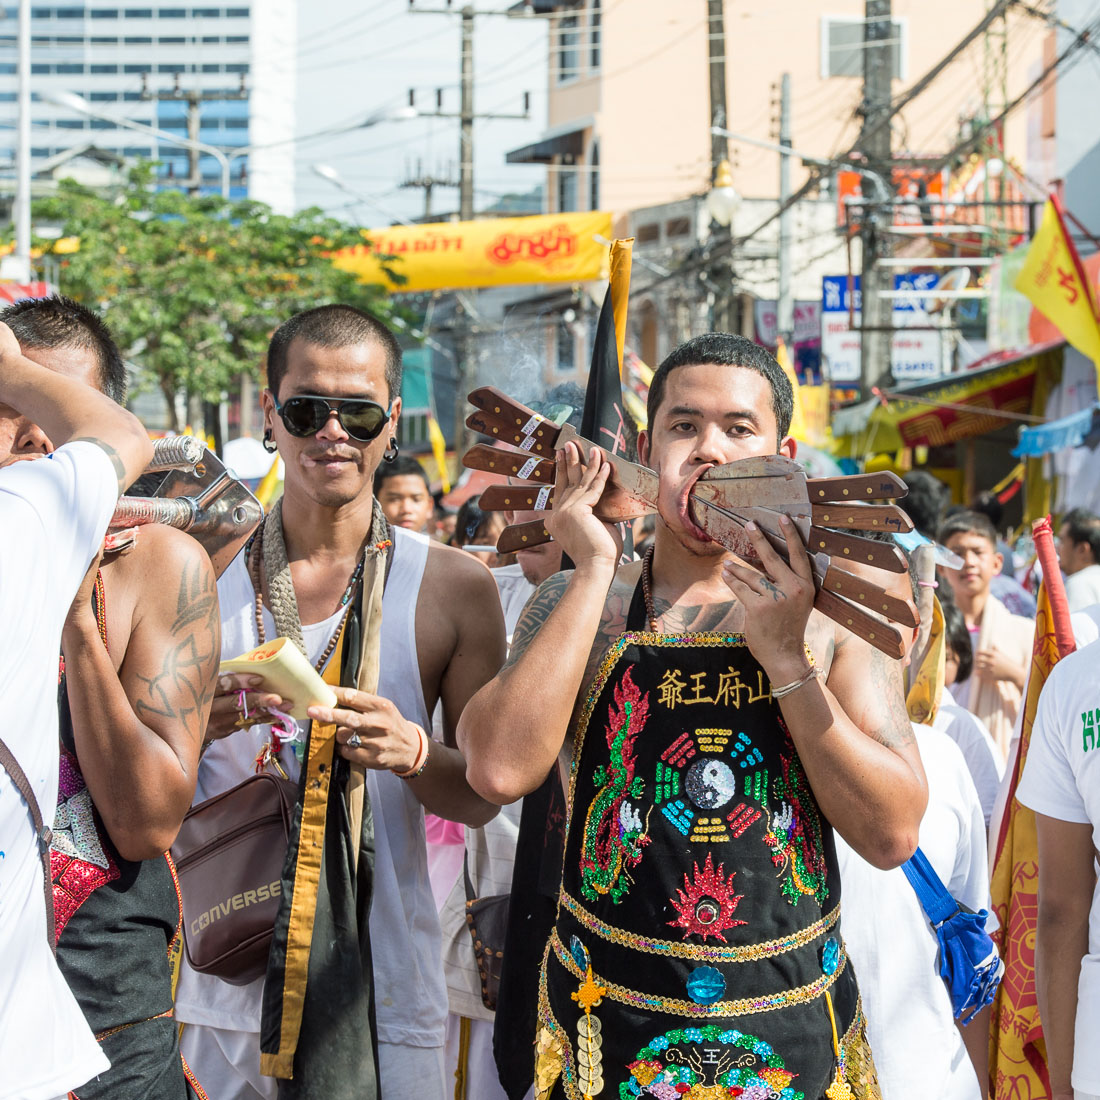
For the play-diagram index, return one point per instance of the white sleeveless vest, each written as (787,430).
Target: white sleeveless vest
(411,996)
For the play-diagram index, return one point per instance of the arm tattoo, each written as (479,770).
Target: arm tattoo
(537,611)
(891,721)
(184,684)
(112,454)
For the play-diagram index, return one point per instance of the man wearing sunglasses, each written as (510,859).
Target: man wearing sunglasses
(331,410)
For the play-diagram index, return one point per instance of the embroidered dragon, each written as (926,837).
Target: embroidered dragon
(794,834)
(614,834)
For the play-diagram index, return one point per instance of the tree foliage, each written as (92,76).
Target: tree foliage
(193,286)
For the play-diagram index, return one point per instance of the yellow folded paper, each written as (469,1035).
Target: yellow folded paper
(285,673)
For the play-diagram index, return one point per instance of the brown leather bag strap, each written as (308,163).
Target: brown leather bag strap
(43,832)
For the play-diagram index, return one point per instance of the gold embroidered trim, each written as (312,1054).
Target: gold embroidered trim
(744,1006)
(702,952)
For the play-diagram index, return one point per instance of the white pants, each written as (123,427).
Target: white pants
(227,1065)
(479,1071)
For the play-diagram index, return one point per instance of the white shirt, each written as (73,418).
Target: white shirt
(54,513)
(910,1024)
(977,746)
(515,590)
(411,997)
(1062,780)
(1086,625)
(1083,588)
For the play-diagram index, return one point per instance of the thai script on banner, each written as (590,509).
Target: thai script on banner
(496,252)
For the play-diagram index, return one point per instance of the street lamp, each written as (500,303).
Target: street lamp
(723,201)
(78,104)
(883,192)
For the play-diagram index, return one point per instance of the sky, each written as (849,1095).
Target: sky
(356,57)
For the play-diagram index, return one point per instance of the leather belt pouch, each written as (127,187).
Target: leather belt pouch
(229,856)
(487,920)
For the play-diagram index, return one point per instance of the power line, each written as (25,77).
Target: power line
(815,173)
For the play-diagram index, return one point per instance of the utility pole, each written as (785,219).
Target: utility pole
(194,98)
(719,152)
(466,304)
(874,143)
(785,303)
(427,183)
(466,128)
(466,114)
(21,268)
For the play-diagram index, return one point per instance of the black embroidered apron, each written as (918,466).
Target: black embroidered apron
(696,953)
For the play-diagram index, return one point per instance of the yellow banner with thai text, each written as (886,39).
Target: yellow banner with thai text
(550,248)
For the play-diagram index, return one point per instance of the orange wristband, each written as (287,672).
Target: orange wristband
(421,761)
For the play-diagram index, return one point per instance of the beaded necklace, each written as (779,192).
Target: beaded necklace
(254,571)
(647,575)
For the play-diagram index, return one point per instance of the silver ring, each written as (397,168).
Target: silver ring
(354,741)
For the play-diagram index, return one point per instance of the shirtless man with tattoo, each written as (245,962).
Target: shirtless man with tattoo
(140,656)
(713,729)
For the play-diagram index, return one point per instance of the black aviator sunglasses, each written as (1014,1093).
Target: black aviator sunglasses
(306,414)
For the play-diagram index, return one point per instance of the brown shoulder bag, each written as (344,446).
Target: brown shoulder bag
(229,857)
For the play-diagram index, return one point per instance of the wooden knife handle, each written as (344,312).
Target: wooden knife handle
(516,498)
(885,638)
(861,517)
(503,418)
(535,436)
(493,460)
(869,595)
(882,555)
(522,535)
(855,487)
(492,401)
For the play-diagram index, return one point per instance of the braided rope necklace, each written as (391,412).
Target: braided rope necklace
(254,553)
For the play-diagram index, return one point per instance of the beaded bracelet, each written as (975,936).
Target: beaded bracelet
(421,761)
(794,685)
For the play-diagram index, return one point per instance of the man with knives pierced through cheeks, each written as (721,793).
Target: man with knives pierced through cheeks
(719,729)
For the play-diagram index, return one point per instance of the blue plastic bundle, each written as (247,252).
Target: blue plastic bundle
(969,964)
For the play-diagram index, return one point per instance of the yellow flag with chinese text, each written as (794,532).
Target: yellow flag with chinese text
(1054,280)
(1017,1048)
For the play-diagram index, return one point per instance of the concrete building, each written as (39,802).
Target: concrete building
(1064,130)
(629,112)
(140,63)
(628,130)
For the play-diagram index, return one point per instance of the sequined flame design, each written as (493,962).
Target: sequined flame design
(79,864)
(708,1063)
(794,835)
(614,834)
(707,903)
(548,1063)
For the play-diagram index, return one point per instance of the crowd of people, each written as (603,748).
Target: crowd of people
(673,745)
